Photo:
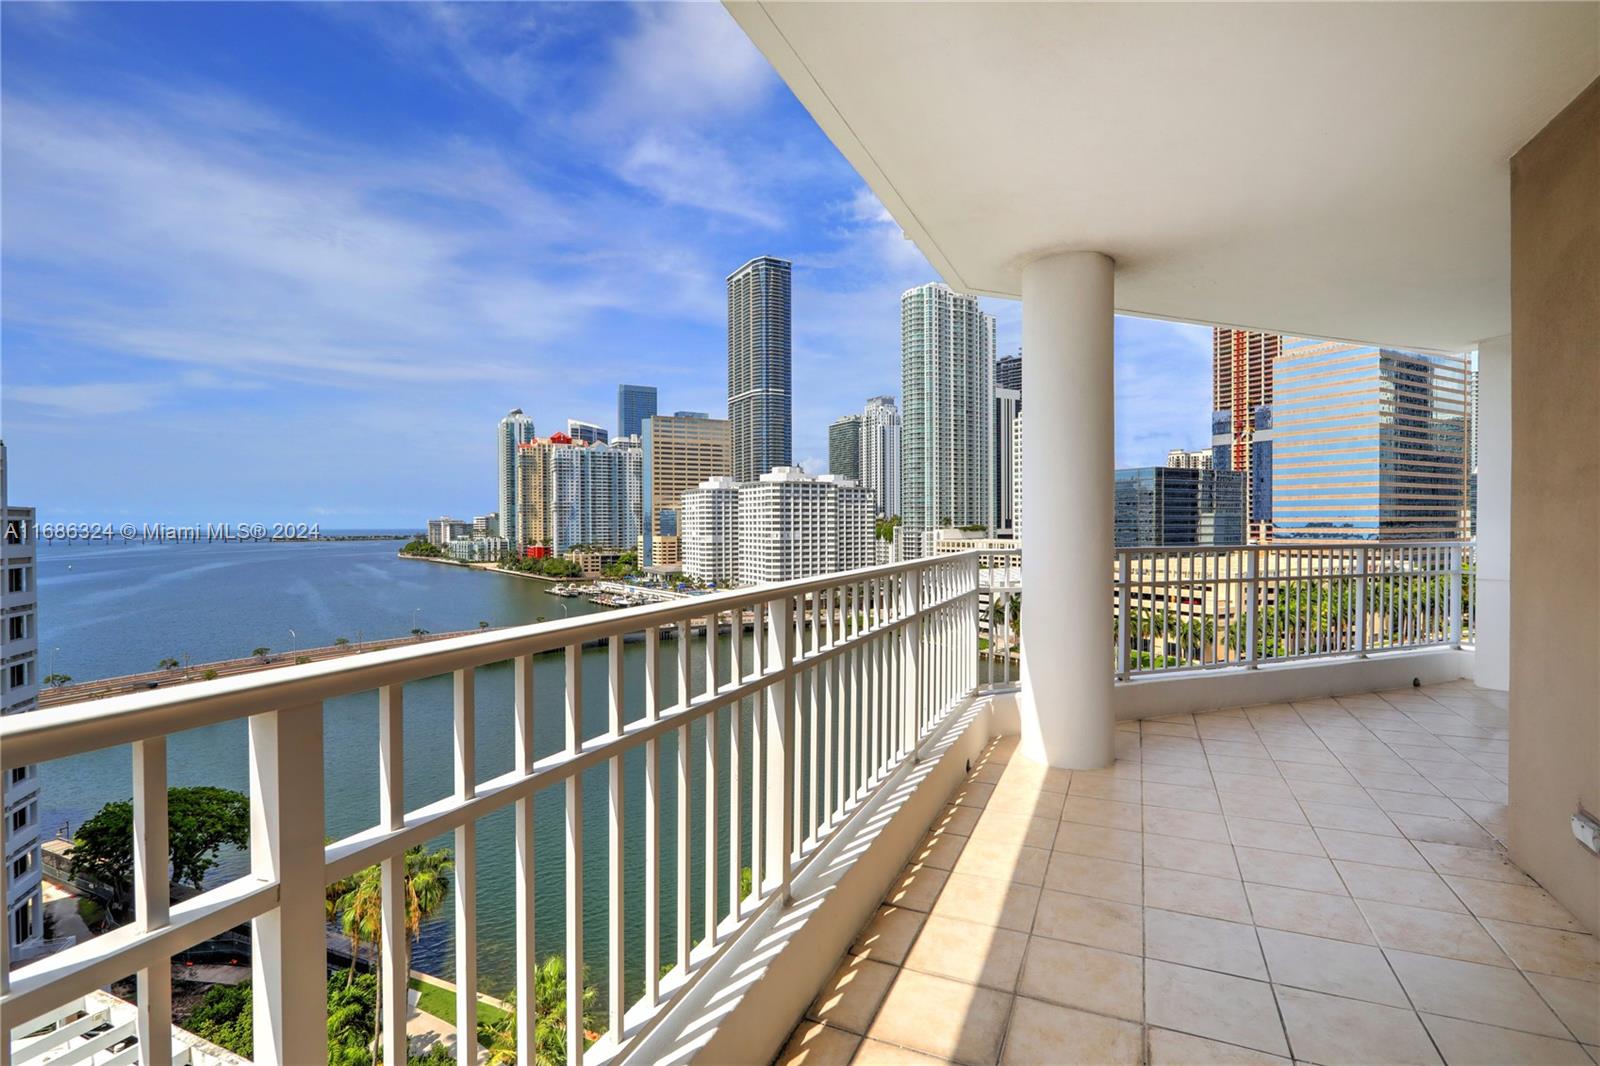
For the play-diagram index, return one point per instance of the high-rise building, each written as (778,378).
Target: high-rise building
(710,531)
(844,447)
(759,356)
(635,403)
(1158,506)
(587,432)
(679,453)
(1371,443)
(1201,460)
(443,530)
(19,693)
(1007,405)
(1241,390)
(1472,428)
(1008,372)
(1016,478)
(516,429)
(595,491)
(880,453)
(691,414)
(535,517)
(486,525)
(947,396)
(786,525)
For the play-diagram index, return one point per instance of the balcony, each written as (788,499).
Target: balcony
(1269,854)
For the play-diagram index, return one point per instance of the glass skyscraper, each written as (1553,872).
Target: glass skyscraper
(844,447)
(760,397)
(1160,506)
(947,414)
(515,430)
(635,403)
(1370,443)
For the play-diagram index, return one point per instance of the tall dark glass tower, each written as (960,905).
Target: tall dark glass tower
(759,389)
(635,403)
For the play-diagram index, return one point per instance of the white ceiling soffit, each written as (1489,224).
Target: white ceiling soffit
(1336,170)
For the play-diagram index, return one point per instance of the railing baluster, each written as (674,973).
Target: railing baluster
(616,995)
(757,745)
(466,873)
(574,848)
(289,949)
(652,819)
(829,728)
(735,757)
(780,748)
(813,770)
(683,928)
(710,746)
(152,892)
(393,942)
(526,896)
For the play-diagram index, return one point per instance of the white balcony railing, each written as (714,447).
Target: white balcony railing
(844,675)
(1190,608)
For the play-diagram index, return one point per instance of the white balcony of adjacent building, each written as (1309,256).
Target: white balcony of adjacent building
(1162,817)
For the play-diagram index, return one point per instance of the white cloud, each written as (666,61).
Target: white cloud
(692,172)
(683,61)
(87,401)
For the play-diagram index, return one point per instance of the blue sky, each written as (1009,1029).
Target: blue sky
(279,262)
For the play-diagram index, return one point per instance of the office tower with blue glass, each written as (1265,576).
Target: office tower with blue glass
(635,403)
(1166,506)
(1371,443)
(760,398)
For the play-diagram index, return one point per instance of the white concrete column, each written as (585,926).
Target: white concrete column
(1067,717)
(1492,659)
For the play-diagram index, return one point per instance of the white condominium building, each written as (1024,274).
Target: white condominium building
(1007,406)
(515,430)
(785,526)
(587,432)
(709,531)
(19,692)
(880,453)
(594,496)
(569,493)
(1186,460)
(947,396)
(1016,478)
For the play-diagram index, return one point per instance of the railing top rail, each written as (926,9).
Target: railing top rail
(101,723)
(1288,545)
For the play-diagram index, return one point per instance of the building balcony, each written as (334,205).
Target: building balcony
(1236,882)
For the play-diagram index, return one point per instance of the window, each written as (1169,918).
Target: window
(19,774)
(23,923)
(19,819)
(16,627)
(22,865)
(18,675)
(14,579)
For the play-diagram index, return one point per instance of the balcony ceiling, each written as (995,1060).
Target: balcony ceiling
(1337,170)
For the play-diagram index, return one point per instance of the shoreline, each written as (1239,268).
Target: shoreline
(496,568)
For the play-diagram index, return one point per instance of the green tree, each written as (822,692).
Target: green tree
(168,664)
(57,680)
(550,1028)
(421,547)
(427,887)
(261,653)
(339,642)
(202,820)
(209,675)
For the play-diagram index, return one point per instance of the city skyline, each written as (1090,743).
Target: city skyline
(413,239)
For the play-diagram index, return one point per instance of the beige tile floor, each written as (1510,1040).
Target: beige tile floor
(1319,881)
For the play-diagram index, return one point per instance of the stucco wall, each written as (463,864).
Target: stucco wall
(1555,524)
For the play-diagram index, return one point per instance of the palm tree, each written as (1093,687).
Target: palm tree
(167,664)
(427,886)
(550,1026)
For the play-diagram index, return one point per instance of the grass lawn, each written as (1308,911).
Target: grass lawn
(441,1003)
(90,911)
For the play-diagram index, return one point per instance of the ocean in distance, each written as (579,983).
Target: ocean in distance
(119,608)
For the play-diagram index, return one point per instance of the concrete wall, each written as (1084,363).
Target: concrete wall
(1493,635)
(1555,501)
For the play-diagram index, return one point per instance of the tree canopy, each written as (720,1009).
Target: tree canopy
(201,820)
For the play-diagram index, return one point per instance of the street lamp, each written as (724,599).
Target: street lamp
(294,644)
(414,612)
